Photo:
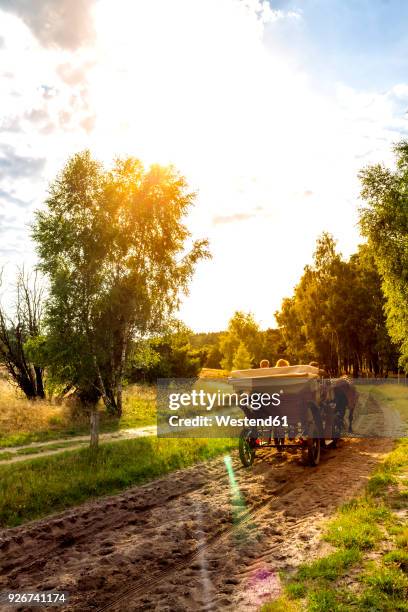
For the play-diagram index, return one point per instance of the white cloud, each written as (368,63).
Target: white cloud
(61,23)
(266,13)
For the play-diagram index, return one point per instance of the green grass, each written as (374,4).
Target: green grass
(36,450)
(374,600)
(386,589)
(322,600)
(357,525)
(6,455)
(281,604)
(390,581)
(22,438)
(402,538)
(41,486)
(328,568)
(380,482)
(397,557)
(364,524)
(49,447)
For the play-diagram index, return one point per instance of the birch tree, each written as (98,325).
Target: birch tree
(118,256)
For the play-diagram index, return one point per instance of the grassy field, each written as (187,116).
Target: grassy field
(35,488)
(367,569)
(23,422)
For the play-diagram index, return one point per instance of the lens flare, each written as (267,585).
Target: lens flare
(240,512)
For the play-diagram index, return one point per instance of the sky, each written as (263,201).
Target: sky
(269,109)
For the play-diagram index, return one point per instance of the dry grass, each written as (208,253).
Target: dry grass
(22,421)
(213,373)
(17,414)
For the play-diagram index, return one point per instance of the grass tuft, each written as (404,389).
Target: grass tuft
(323,600)
(390,581)
(379,483)
(357,525)
(330,567)
(398,557)
(281,604)
(296,590)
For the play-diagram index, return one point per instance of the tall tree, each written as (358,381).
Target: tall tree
(115,249)
(384,220)
(309,320)
(292,332)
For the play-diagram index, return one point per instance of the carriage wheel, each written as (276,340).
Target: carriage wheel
(246,451)
(338,426)
(314,432)
(313,451)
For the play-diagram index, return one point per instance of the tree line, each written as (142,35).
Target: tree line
(349,315)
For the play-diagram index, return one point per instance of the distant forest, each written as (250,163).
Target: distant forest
(336,316)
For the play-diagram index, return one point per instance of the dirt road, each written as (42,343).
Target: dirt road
(42,449)
(211,537)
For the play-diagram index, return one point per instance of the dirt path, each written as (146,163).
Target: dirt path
(211,537)
(73,443)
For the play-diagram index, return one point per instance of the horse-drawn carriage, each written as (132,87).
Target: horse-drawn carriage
(303,414)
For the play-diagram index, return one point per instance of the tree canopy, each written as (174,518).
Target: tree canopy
(384,220)
(336,315)
(118,255)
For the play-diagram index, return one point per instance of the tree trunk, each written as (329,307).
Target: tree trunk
(27,387)
(94,439)
(119,402)
(119,388)
(106,400)
(39,382)
(355,367)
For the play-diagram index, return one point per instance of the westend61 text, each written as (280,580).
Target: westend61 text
(228,421)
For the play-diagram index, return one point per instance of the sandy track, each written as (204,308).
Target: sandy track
(198,539)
